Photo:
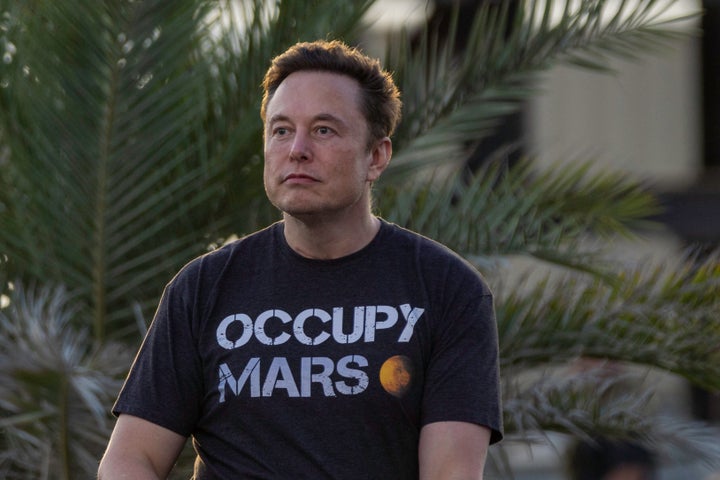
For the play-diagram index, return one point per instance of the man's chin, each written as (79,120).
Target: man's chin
(302,214)
(310,215)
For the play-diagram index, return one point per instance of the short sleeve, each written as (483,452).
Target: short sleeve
(165,385)
(462,377)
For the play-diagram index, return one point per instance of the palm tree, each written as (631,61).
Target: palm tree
(130,142)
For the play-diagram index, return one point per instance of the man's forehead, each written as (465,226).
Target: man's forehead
(326,85)
(317,94)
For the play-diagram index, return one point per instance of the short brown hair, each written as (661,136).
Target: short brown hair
(380,97)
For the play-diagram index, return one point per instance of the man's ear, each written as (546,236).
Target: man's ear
(381,153)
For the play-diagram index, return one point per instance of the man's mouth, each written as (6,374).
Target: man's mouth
(299,178)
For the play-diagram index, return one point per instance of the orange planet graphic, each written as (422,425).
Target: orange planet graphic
(396,375)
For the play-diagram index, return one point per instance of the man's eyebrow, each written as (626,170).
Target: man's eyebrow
(278,118)
(325,117)
(329,117)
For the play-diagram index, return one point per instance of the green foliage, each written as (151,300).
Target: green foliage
(451,100)
(501,211)
(665,318)
(130,142)
(55,388)
(134,139)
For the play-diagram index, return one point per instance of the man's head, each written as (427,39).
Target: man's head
(380,98)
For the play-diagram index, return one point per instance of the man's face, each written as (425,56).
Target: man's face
(317,160)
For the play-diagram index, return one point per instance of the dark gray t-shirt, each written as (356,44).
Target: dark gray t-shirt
(279,366)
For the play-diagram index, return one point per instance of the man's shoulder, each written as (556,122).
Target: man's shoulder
(433,257)
(409,239)
(251,245)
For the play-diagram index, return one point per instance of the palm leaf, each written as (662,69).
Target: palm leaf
(125,153)
(453,100)
(96,173)
(502,211)
(592,403)
(662,317)
(56,387)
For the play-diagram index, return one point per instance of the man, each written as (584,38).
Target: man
(332,344)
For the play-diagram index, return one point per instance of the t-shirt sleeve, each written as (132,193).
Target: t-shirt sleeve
(164,385)
(462,377)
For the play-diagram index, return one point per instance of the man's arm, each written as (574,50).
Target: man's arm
(139,450)
(453,451)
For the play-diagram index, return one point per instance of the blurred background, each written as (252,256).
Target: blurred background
(656,117)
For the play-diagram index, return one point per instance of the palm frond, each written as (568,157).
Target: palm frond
(592,404)
(548,214)
(580,404)
(91,149)
(56,386)
(127,140)
(455,99)
(660,316)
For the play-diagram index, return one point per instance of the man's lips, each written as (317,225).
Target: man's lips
(299,178)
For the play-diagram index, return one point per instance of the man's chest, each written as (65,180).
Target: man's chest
(315,351)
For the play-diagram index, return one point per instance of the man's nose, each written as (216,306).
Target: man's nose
(300,149)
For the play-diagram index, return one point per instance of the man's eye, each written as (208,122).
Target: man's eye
(280,131)
(323,130)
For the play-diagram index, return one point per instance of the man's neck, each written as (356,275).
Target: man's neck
(325,239)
